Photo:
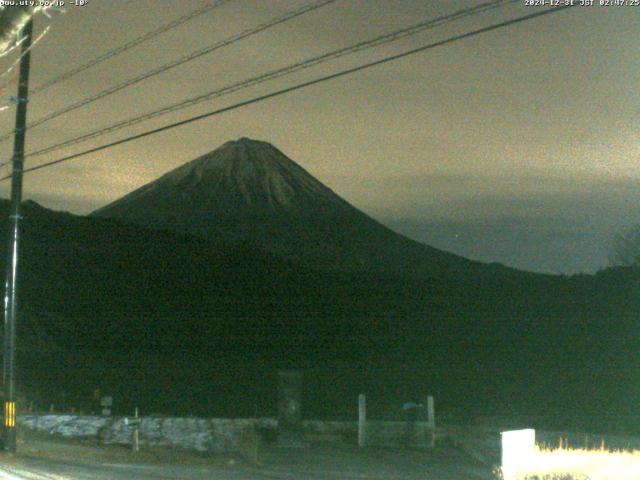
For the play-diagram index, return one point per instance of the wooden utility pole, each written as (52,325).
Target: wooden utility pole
(10,299)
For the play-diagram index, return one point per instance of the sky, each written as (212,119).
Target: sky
(518,146)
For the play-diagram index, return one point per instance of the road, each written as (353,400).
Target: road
(48,460)
(41,469)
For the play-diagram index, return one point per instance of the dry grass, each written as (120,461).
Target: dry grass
(580,464)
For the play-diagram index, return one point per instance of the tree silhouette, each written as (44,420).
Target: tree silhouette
(626,248)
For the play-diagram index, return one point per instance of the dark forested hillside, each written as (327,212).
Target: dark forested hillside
(177,324)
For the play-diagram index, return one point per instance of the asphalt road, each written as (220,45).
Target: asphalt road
(41,469)
(46,460)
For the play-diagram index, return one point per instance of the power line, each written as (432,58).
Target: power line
(280,72)
(12,21)
(17,61)
(129,45)
(180,61)
(299,86)
(123,48)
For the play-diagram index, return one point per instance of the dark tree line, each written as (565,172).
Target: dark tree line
(626,248)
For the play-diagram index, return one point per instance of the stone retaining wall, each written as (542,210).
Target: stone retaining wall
(217,435)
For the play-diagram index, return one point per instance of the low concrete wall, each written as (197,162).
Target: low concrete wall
(217,435)
(378,433)
(80,426)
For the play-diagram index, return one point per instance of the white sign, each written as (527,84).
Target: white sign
(518,451)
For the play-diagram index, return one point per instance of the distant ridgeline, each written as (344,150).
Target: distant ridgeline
(177,321)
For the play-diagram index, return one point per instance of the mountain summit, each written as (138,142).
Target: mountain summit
(244,176)
(249,192)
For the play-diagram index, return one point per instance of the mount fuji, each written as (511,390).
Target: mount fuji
(248,192)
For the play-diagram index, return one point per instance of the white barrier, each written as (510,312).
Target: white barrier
(518,451)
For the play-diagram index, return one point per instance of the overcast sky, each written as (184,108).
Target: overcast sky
(518,146)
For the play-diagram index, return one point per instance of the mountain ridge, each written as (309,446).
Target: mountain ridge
(248,191)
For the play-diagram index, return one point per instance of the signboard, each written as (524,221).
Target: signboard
(106,403)
(518,451)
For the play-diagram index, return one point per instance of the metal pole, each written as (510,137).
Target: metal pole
(10,299)
(431,421)
(362,420)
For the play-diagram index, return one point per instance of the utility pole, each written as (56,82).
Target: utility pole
(10,298)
